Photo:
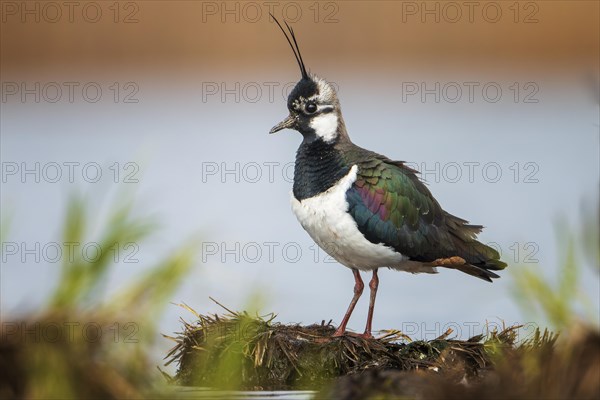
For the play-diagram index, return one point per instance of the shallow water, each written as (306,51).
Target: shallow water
(205,393)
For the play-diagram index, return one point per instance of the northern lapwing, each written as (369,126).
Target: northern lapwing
(364,209)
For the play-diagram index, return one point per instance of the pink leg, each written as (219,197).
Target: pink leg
(373,285)
(358,289)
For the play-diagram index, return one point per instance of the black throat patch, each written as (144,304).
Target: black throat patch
(319,166)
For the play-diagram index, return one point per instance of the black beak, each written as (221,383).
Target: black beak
(289,122)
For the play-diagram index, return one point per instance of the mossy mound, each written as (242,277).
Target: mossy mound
(238,351)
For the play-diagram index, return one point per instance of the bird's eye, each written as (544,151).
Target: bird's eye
(311,108)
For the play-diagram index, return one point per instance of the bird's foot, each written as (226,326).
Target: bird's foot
(366,335)
(339,333)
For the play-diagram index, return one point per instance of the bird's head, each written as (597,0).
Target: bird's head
(313,104)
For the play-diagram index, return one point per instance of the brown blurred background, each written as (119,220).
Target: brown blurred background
(197,36)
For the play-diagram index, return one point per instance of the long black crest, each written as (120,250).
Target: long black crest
(294,46)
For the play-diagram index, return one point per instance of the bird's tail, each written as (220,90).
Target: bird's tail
(481,272)
(480,259)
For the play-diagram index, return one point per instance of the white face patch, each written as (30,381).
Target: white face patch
(325,126)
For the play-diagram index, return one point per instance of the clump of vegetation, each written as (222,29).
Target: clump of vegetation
(243,352)
(83,344)
(239,351)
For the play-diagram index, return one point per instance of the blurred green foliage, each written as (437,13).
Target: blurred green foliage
(85,344)
(81,279)
(563,302)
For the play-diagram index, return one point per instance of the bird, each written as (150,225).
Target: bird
(364,209)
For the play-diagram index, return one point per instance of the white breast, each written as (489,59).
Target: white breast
(325,217)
